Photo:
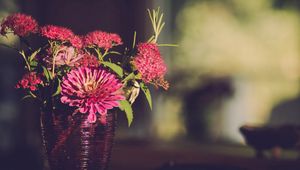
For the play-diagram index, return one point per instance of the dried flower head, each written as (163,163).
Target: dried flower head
(65,56)
(20,24)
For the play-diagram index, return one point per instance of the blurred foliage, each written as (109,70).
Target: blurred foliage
(253,43)
(7,7)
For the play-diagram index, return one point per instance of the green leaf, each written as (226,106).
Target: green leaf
(129,77)
(46,73)
(22,53)
(33,63)
(156,18)
(58,89)
(33,55)
(160,28)
(160,21)
(125,106)
(117,69)
(151,39)
(147,93)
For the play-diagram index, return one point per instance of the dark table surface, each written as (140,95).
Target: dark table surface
(184,156)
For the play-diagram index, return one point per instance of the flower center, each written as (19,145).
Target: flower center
(90,86)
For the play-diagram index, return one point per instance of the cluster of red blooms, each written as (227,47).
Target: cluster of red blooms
(56,32)
(147,61)
(62,34)
(29,81)
(102,39)
(76,41)
(19,24)
(150,64)
(22,25)
(85,85)
(88,61)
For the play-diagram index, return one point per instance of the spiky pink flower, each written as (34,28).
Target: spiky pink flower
(29,81)
(56,33)
(102,39)
(150,64)
(19,24)
(91,90)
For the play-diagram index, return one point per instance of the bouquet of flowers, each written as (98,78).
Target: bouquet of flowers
(87,72)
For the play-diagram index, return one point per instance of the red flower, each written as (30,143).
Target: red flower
(19,24)
(150,64)
(76,42)
(29,81)
(88,60)
(56,33)
(91,90)
(102,39)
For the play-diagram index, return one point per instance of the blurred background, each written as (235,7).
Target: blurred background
(237,62)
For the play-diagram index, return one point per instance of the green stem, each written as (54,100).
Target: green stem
(100,57)
(105,53)
(53,64)
(115,52)
(168,45)
(134,40)
(24,57)
(33,95)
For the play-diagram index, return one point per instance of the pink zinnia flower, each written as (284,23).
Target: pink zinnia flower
(65,56)
(29,81)
(19,24)
(150,64)
(102,39)
(56,33)
(91,90)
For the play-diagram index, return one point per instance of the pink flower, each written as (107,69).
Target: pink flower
(91,90)
(29,81)
(76,41)
(19,24)
(65,56)
(88,60)
(56,33)
(150,64)
(102,39)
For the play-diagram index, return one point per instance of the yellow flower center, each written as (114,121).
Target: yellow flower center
(90,86)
